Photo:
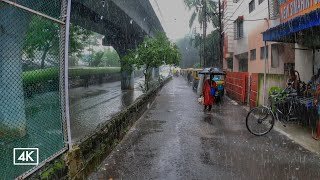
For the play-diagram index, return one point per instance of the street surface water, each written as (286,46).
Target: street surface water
(175,139)
(96,104)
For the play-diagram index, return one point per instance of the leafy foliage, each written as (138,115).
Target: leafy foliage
(212,47)
(206,11)
(197,5)
(108,58)
(43,36)
(196,65)
(190,54)
(97,59)
(152,53)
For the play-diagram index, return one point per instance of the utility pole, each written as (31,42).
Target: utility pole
(204,21)
(221,37)
(200,41)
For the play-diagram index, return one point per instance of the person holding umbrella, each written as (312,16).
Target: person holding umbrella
(208,91)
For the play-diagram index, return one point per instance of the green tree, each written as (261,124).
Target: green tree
(190,54)
(206,11)
(152,53)
(196,65)
(97,59)
(107,58)
(213,49)
(111,58)
(43,36)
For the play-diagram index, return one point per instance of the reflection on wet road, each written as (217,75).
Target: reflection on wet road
(96,104)
(175,139)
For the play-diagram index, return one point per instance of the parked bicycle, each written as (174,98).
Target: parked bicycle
(260,120)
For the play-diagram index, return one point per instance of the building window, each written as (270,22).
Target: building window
(275,55)
(243,65)
(238,29)
(260,1)
(253,54)
(230,63)
(251,6)
(262,53)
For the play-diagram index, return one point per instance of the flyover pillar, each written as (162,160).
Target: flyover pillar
(156,72)
(122,44)
(127,73)
(127,78)
(13,26)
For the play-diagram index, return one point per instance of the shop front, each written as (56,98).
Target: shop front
(300,26)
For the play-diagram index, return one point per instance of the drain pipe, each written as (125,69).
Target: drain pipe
(265,67)
(265,73)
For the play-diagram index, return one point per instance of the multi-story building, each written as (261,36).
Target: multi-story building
(244,50)
(271,36)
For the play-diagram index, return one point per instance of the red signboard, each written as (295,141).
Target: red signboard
(293,8)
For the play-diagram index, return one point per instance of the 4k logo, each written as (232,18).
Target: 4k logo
(25,156)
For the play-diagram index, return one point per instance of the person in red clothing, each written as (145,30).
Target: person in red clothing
(206,91)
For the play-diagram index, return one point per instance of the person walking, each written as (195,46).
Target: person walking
(207,94)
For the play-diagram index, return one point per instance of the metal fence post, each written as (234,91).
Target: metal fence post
(66,82)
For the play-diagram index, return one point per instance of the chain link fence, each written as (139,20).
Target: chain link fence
(32,45)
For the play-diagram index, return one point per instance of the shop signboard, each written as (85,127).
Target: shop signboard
(294,8)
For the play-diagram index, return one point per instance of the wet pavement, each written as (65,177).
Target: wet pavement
(97,104)
(175,139)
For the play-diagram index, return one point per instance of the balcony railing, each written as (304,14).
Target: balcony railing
(274,8)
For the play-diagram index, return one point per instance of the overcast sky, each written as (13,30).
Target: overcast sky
(174,17)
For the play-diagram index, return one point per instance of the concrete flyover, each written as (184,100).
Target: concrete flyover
(123,22)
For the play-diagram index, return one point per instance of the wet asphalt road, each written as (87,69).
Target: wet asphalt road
(175,139)
(96,104)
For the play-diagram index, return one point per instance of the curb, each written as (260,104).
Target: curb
(88,154)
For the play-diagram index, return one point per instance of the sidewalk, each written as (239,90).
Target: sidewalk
(295,132)
(175,139)
(301,135)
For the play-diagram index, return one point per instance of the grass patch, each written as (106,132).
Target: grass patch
(52,74)
(7,132)
(49,173)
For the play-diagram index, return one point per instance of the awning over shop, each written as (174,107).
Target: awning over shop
(293,30)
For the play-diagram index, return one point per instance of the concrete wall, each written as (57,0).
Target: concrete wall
(273,80)
(228,24)
(317,61)
(304,62)
(255,42)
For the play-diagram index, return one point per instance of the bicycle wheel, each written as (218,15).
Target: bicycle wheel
(259,121)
